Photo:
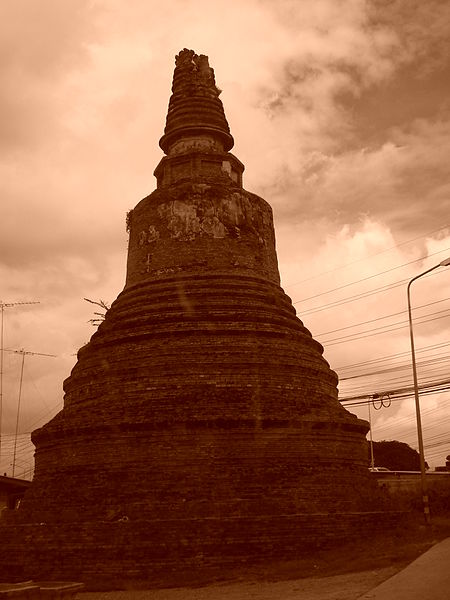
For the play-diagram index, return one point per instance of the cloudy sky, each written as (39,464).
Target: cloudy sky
(340,111)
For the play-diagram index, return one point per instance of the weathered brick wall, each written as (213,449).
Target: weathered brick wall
(201,424)
(193,472)
(201,349)
(127,554)
(201,227)
(199,400)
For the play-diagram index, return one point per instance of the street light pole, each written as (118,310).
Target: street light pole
(426,508)
(372,461)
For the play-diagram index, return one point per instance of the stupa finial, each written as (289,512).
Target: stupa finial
(195,109)
(195,71)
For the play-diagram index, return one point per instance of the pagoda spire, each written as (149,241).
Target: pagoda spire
(195,110)
(201,427)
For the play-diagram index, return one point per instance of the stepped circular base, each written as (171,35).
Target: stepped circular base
(115,555)
(200,427)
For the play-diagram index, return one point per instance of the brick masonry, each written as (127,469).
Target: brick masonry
(201,424)
(159,553)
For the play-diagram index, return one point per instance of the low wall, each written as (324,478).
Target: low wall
(405,489)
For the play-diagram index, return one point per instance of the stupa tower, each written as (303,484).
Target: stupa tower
(201,424)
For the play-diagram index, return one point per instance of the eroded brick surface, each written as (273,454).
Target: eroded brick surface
(201,425)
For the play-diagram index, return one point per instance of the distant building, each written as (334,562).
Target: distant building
(444,468)
(12,491)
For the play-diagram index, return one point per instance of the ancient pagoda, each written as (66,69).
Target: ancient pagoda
(201,425)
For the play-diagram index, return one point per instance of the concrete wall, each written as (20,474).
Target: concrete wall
(405,489)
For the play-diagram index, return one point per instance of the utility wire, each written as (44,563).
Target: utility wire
(401,312)
(369,257)
(354,298)
(396,368)
(417,321)
(393,356)
(394,393)
(356,336)
(341,287)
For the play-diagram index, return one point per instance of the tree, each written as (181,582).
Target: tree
(396,456)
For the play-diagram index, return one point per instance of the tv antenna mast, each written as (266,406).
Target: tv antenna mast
(23,353)
(4,305)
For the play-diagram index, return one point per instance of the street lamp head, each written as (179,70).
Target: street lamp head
(445,263)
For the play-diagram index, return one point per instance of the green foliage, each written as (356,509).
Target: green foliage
(396,456)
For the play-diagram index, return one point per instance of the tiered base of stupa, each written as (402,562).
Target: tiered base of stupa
(200,431)
(201,427)
(175,553)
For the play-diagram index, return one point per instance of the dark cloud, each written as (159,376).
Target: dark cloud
(396,183)
(423,30)
(362,101)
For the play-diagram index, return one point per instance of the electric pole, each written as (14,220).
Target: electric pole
(4,305)
(23,353)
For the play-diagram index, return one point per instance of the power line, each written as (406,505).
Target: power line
(401,312)
(356,336)
(390,325)
(431,360)
(361,295)
(394,356)
(366,383)
(370,276)
(399,392)
(369,257)
(355,297)
(396,368)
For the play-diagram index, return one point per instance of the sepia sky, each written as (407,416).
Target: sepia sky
(340,111)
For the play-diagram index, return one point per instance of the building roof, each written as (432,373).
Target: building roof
(11,484)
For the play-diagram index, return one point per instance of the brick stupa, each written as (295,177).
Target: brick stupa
(201,426)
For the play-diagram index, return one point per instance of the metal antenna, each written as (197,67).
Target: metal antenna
(23,353)
(4,305)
